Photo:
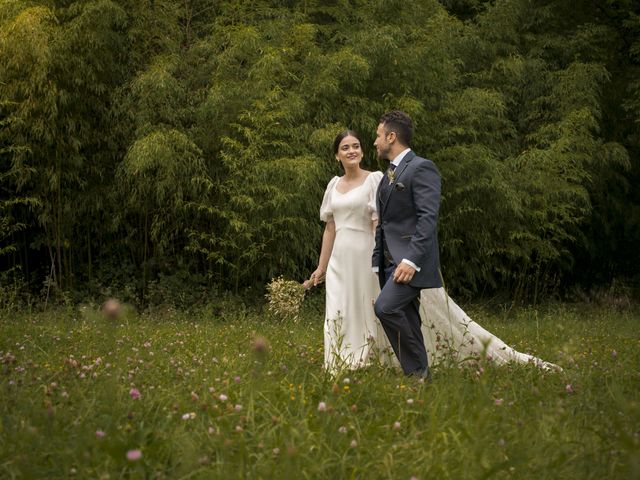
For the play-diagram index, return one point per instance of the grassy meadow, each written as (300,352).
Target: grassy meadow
(237,394)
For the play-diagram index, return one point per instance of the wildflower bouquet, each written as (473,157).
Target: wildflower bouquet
(285,297)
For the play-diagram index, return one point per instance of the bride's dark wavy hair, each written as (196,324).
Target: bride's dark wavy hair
(341,136)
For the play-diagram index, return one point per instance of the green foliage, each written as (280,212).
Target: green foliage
(531,119)
(55,93)
(160,135)
(160,174)
(266,174)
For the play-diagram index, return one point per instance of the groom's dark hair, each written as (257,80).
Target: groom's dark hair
(399,122)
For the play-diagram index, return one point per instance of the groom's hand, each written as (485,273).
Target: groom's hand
(403,273)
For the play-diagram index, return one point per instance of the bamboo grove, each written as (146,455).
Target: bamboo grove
(164,150)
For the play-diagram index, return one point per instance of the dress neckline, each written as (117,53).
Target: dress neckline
(335,188)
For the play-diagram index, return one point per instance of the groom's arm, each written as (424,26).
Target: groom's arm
(377,248)
(376,258)
(426,200)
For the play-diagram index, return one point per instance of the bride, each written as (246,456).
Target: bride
(353,336)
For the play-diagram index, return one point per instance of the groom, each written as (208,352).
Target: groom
(406,246)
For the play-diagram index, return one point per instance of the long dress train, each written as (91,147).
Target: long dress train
(450,333)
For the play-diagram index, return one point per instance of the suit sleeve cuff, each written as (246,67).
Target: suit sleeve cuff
(409,262)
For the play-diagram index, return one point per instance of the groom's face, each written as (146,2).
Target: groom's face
(383,147)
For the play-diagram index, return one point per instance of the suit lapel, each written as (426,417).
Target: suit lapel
(403,164)
(386,194)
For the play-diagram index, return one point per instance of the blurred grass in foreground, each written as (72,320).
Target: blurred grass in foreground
(238,395)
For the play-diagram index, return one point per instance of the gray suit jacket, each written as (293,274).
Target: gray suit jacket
(408,219)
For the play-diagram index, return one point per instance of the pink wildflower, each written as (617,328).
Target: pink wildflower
(135,393)
(134,455)
(260,345)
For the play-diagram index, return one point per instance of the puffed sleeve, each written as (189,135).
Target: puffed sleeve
(326,214)
(374,180)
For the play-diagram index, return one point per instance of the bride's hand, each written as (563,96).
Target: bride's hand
(315,279)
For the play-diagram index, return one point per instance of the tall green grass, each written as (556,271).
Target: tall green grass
(214,404)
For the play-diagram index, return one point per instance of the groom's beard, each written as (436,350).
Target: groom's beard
(384,155)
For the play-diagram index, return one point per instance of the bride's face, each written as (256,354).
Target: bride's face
(349,152)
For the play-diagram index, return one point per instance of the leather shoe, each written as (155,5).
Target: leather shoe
(422,374)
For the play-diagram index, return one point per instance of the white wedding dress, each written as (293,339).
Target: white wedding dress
(353,336)
(351,330)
